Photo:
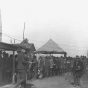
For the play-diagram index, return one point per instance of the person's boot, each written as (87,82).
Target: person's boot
(75,82)
(79,83)
(23,84)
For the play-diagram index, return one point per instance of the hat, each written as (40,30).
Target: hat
(77,57)
(22,50)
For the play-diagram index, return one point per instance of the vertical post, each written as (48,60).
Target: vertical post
(65,55)
(37,56)
(14,41)
(23,30)
(0,27)
(13,67)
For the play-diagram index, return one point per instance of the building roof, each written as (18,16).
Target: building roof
(26,45)
(50,47)
(6,46)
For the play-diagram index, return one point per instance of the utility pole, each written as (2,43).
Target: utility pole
(23,30)
(0,27)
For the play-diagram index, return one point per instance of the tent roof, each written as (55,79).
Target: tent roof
(50,47)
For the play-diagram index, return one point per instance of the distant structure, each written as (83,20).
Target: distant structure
(0,28)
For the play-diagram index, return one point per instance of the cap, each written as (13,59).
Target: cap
(77,57)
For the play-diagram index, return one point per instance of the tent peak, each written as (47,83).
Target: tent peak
(50,47)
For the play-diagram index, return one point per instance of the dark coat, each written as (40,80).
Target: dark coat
(22,61)
(78,68)
(47,63)
(41,64)
(57,63)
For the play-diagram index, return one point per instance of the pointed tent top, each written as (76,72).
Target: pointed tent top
(50,47)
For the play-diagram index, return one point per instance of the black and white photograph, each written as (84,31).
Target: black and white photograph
(43,43)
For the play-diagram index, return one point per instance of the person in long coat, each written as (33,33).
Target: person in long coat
(41,67)
(51,66)
(61,64)
(47,64)
(22,67)
(77,71)
(58,66)
(8,69)
(35,67)
(4,66)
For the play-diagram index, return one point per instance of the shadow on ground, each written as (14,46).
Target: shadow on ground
(30,86)
(3,83)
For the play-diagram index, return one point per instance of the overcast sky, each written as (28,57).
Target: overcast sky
(64,21)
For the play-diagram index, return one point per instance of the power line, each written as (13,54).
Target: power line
(60,44)
(40,41)
(37,41)
(11,37)
(64,49)
(44,42)
(64,45)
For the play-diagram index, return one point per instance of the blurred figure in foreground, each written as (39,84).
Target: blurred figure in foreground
(22,67)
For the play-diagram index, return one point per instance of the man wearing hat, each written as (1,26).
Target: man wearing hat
(22,66)
(77,71)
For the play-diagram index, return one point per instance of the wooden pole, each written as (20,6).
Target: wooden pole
(23,30)
(13,67)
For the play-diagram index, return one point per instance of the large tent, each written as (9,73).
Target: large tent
(50,48)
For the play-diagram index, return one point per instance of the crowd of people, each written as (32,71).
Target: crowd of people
(48,66)
(31,67)
(6,67)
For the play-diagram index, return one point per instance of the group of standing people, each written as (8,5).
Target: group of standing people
(33,68)
(6,67)
(49,66)
(28,67)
